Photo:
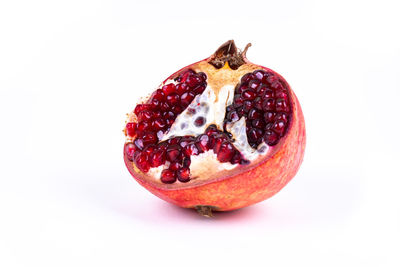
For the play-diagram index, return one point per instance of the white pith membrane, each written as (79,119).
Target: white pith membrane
(212,107)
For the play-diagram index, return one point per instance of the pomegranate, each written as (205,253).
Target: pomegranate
(220,134)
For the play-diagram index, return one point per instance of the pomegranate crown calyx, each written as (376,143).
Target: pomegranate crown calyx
(228,52)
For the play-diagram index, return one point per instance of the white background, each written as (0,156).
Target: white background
(71,70)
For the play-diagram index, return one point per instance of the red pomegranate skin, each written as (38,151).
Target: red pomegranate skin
(253,185)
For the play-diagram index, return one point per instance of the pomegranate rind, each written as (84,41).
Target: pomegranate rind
(257,183)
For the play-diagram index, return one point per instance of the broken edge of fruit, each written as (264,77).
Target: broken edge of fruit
(205,210)
(228,52)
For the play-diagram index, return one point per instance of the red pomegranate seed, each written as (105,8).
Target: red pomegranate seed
(241,112)
(140,134)
(159,95)
(174,166)
(149,149)
(269,93)
(203,76)
(277,85)
(258,123)
(259,74)
(139,143)
(247,77)
(181,88)
(247,105)
(217,142)
(141,107)
(177,109)
(232,116)
(187,98)
(174,141)
(255,134)
(237,101)
(269,116)
(186,140)
(168,115)
(163,146)
(261,89)
(199,121)
(268,104)
(193,81)
(150,138)
(142,163)
(271,79)
(145,115)
(203,142)
(270,138)
(279,127)
(168,176)
(253,84)
(248,95)
(169,122)
(191,149)
(157,114)
(186,162)
(269,126)
(131,128)
(185,74)
(157,158)
(258,103)
(199,89)
(130,150)
(265,78)
(164,106)
(173,99)
(159,123)
(281,105)
(225,152)
(242,88)
(282,116)
(183,175)
(236,158)
(154,103)
(254,114)
(173,152)
(168,89)
(281,94)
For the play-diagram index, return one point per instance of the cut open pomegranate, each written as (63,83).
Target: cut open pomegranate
(219,134)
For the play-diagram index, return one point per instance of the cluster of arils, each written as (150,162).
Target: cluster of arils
(263,99)
(260,97)
(158,114)
(175,153)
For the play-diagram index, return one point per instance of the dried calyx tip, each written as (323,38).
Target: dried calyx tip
(245,50)
(228,52)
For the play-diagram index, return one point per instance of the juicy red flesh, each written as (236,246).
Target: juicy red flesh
(263,99)
(177,151)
